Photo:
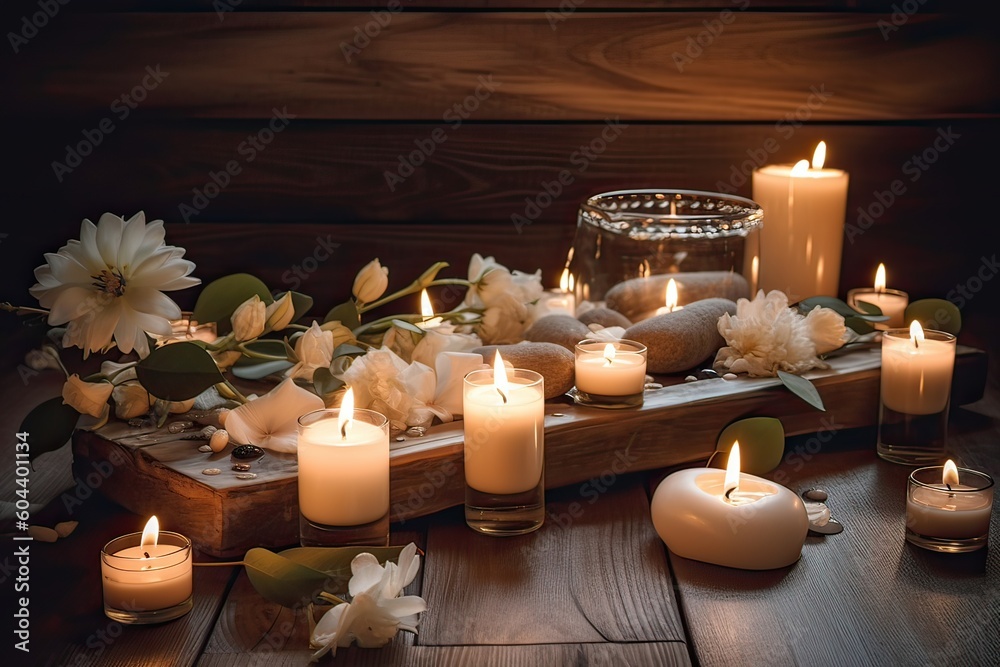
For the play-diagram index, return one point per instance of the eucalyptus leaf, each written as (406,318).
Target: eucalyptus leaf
(257,369)
(858,325)
(325,383)
(301,303)
(346,349)
(178,371)
(802,388)
(269,346)
(49,426)
(345,313)
(936,314)
(841,308)
(407,326)
(868,308)
(762,443)
(220,298)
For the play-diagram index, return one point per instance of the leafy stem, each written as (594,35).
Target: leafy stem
(330,597)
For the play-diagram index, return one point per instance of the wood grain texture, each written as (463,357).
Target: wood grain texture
(864,596)
(565,583)
(501,5)
(592,66)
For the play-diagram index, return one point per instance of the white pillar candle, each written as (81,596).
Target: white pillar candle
(146,572)
(752,523)
(343,465)
(803,232)
(949,510)
(891,302)
(610,369)
(916,370)
(504,429)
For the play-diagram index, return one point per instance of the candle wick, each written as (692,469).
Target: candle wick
(916,343)
(729,492)
(502,395)
(343,431)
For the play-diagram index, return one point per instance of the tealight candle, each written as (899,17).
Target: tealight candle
(504,425)
(560,301)
(343,476)
(891,302)
(948,508)
(730,518)
(610,375)
(146,576)
(917,368)
(803,234)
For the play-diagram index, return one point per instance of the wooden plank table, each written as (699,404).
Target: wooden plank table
(594,586)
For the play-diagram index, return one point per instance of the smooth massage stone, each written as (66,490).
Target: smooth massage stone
(559,329)
(606,318)
(640,297)
(555,363)
(682,339)
(817,493)
(245,453)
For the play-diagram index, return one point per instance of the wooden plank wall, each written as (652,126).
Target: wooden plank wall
(698,92)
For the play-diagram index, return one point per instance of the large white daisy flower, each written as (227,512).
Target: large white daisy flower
(110,283)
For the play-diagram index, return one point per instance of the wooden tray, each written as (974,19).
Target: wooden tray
(678,424)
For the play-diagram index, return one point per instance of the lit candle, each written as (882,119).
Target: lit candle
(949,516)
(891,302)
(504,429)
(343,465)
(916,370)
(560,301)
(803,232)
(730,518)
(670,299)
(147,576)
(427,312)
(610,373)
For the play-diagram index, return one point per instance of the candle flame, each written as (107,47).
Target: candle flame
(819,155)
(346,417)
(564,283)
(732,482)
(500,377)
(151,533)
(950,475)
(609,354)
(880,278)
(426,309)
(572,283)
(916,333)
(801,167)
(671,297)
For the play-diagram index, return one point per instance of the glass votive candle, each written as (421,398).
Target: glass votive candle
(146,583)
(952,516)
(892,303)
(610,374)
(343,478)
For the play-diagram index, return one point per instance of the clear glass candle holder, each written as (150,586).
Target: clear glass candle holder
(610,375)
(707,240)
(343,479)
(950,520)
(504,452)
(892,303)
(914,396)
(146,584)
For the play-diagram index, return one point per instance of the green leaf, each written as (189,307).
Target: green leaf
(345,313)
(842,308)
(256,369)
(178,371)
(270,346)
(428,276)
(802,388)
(407,326)
(346,349)
(868,308)
(762,443)
(858,325)
(295,577)
(325,383)
(301,303)
(936,314)
(49,425)
(222,297)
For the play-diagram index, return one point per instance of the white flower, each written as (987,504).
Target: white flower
(377,610)
(385,383)
(766,336)
(271,421)
(88,398)
(314,348)
(442,339)
(279,314)
(504,321)
(489,281)
(110,284)
(826,328)
(371,282)
(248,319)
(605,334)
(527,287)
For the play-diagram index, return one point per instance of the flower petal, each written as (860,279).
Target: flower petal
(366,572)
(152,301)
(109,238)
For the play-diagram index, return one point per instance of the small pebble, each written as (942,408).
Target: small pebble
(136,422)
(817,493)
(223,414)
(177,427)
(205,449)
(211,471)
(400,439)
(653,385)
(707,374)
(690,378)
(64,528)
(558,414)
(831,527)
(249,453)
(242,467)
(246,475)
(43,534)
(416,431)
(219,440)
(729,376)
